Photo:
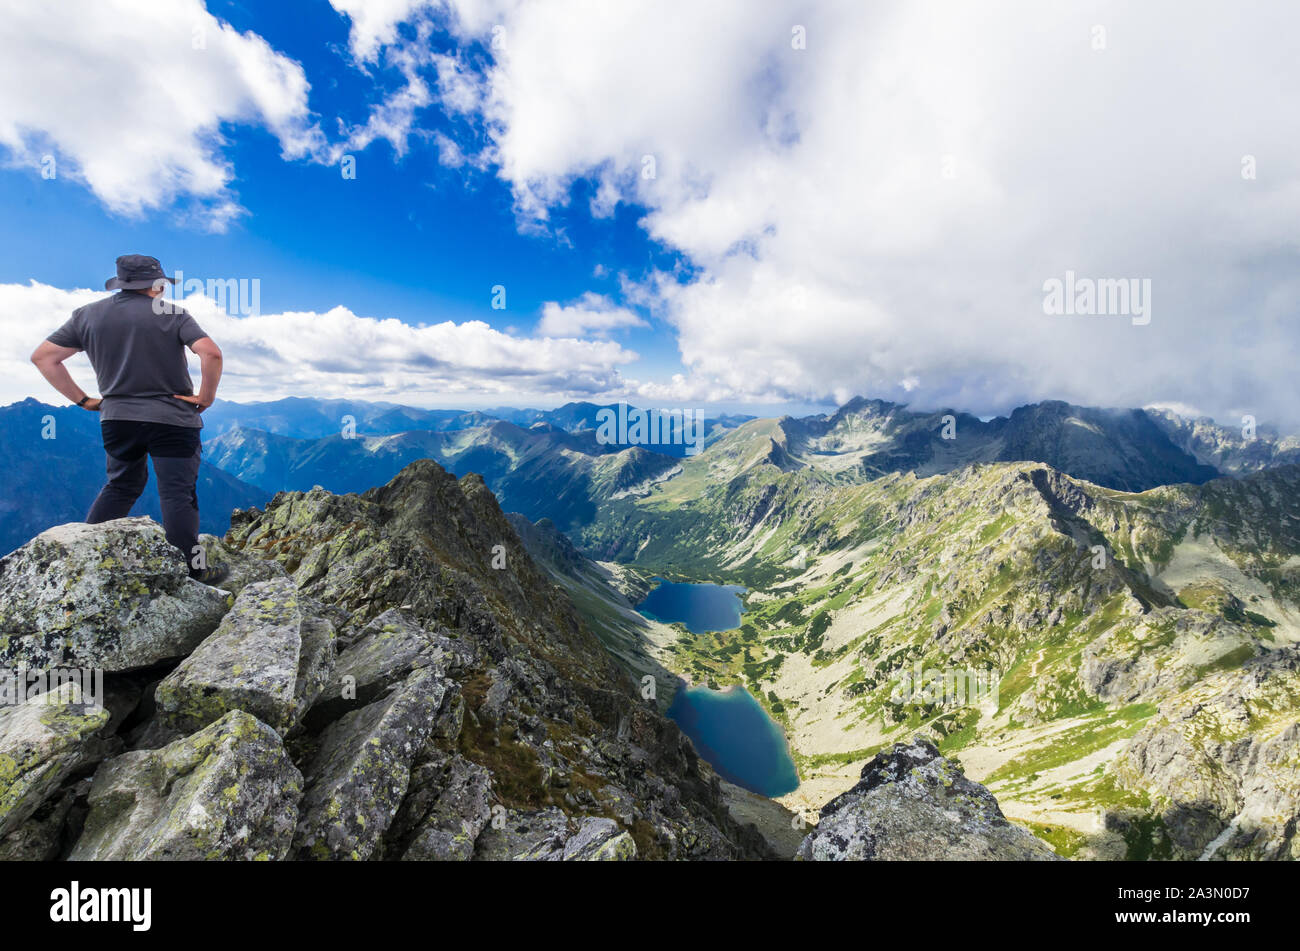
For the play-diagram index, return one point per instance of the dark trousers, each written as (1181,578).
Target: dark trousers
(175,451)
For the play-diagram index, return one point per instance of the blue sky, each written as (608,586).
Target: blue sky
(766,205)
(406,238)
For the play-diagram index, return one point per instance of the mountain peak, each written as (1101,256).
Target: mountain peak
(863,404)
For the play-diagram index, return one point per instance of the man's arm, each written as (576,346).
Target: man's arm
(210,362)
(49,359)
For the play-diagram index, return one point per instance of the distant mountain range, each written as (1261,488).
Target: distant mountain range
(550,464)
(1130,578)
(865,439)
(305,418)
(1130,450)
(541,472)
(51,481)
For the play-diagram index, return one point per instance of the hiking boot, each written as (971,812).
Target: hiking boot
(212,575)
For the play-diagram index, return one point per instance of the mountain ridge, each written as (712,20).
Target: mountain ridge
(863,439)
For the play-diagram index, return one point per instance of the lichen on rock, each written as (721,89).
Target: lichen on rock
(269,657)
(114,596)
(229,791)
(41,742)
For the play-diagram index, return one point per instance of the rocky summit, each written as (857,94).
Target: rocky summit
(386,676)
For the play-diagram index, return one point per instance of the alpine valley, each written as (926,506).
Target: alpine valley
(1127,583)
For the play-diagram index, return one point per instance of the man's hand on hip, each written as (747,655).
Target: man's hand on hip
(195,401)
(92,405)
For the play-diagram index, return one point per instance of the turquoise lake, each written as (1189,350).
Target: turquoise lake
(729,728)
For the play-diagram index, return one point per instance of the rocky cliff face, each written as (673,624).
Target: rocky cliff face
(388,676)
(1221,767)
(1239,450)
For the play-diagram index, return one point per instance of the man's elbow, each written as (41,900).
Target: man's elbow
(207,349)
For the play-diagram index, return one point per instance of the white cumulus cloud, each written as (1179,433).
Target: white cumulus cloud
(593,313)
(130,97)
(877,209)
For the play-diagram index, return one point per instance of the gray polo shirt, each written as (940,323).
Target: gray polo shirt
(138,356)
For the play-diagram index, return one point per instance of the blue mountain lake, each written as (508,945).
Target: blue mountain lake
(701,607)
(737,737)
(729,728)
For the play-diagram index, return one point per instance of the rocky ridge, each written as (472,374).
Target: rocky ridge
(388,676)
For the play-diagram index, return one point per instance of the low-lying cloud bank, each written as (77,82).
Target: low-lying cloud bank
(334,354)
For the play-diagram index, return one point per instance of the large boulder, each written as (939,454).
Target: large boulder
(362,770)
(114,596)
(229,792)
(42,742)
(270,657)
(599,840)
(911,804)
(383,655)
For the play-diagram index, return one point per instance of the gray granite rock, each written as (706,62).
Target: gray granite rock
(362,769)
(114,596)
(42,742)
(269,657)
(912,804)
(229,791)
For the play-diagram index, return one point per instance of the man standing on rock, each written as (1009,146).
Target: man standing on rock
(136,343)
